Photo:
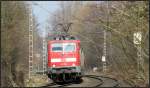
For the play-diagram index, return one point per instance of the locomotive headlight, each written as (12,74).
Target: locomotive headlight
(73,64)
(53,65)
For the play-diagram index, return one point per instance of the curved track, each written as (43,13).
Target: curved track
(94,81)
(105,80)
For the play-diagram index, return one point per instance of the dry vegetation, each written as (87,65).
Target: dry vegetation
(14,43)
(120,19)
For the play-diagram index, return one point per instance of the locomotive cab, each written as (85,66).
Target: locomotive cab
(64,59)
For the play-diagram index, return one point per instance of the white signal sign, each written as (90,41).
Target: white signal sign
(137,38)
(103,59)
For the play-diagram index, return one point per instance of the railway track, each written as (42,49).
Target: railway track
(101,81)
(56,85)
(115,84)
(95,77)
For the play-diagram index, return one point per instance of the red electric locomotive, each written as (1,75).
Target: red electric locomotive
(64,59)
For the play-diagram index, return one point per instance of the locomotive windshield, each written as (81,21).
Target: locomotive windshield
(65,47)
(56,47)
(69,47)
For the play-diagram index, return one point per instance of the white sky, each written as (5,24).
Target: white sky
(43,14)
(43,10)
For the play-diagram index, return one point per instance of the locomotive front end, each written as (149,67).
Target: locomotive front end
(64,60)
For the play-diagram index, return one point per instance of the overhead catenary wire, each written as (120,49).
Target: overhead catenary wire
(46,10)
(106,26)
(117,9)
(59,17)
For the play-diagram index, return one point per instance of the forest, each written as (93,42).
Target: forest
(116,21)
(119,20)
(15,42)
